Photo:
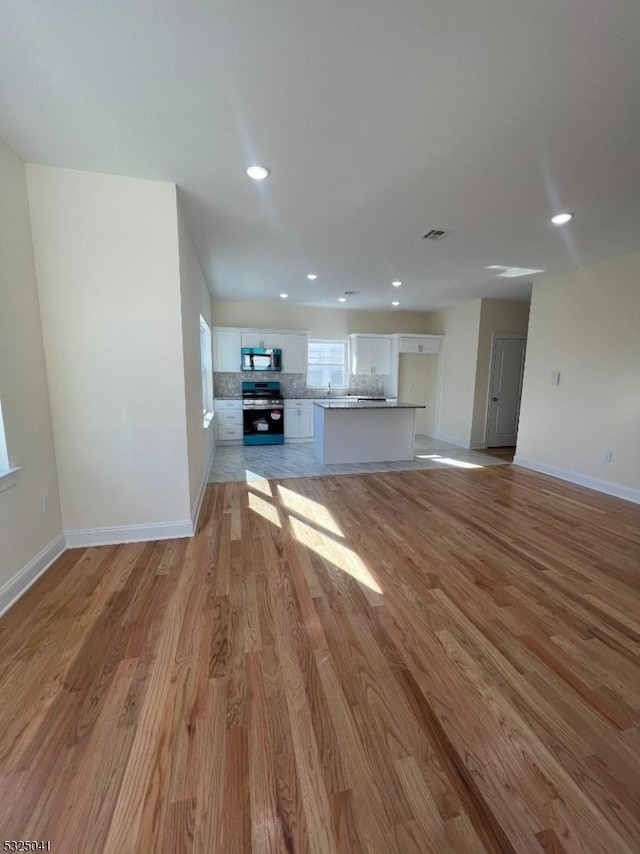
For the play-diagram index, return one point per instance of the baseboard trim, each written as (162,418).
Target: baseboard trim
(128,534)
(453,440)
(595,483)
(195,511)
(29,574)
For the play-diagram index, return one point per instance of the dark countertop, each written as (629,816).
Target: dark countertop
(367,404)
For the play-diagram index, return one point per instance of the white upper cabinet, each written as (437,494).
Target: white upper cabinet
(252,339)
(262,340)
(362,355)
(272,340)
(419,344)
(370,354)
(294,353)
(382,362)
(227,344)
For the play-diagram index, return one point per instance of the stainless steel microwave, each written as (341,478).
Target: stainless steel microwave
(261,359)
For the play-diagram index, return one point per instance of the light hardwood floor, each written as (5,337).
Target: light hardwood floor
(422,661)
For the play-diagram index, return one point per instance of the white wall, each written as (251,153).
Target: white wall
(195,302)
(106,252)
(495,316)
(418,383)
(321,322)
(25,528)
(460,325)
(585,324)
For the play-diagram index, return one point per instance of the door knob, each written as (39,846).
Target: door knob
(494,398)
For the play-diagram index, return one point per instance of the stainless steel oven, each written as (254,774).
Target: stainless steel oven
(262,413)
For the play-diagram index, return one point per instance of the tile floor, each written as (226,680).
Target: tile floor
(240,463)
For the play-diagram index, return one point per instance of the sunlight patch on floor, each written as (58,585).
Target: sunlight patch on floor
(336,553)
(264,509)
(460,464)
(256,481)
(448,461)
(310,509)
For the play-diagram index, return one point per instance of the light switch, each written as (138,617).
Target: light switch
(555,377)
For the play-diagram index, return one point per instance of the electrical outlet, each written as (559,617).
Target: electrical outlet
(44,501)
(555,378)
(608,456)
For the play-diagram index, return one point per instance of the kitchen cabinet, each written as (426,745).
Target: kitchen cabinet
(418,344)
(370,354)
(228,420)
(262,340)
(294,353)
(226,350)
(298,419)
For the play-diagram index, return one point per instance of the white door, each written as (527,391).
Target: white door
(505,391)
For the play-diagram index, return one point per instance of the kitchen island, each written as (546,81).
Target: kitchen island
(363,431)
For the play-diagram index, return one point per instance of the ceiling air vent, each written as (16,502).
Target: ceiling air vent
(435,234)
(351,293)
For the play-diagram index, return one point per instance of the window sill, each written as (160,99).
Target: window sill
(9,478)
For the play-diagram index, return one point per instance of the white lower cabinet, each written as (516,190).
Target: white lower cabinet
(228,420)
(298,419)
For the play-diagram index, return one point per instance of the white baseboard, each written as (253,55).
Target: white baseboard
(453,440)
(195,510)
(625,492)
(478,446)
(128,534)
(29,574)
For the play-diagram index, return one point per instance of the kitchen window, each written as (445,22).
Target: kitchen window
(327,364)
(8,475)
(206,369)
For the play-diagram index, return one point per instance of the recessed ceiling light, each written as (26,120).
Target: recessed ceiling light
(258,173)
(312,276)
(284,296)
(395,302)
(561,218)
(515,272)
(396,284)
(342,299)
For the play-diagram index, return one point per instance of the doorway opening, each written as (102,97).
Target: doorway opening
(418,382)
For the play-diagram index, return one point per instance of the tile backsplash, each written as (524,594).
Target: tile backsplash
(293,385)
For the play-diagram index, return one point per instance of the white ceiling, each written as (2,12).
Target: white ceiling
(380,119)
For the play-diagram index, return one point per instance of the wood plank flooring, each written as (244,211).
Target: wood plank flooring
(507,454)
(426,661)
